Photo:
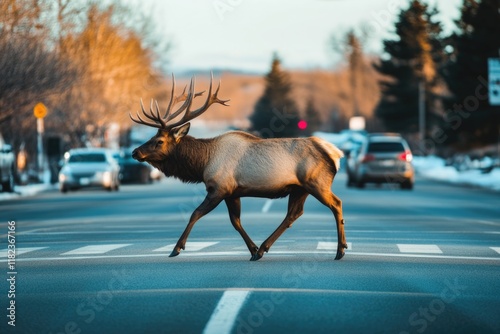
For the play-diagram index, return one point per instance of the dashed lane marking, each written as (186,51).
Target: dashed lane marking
(95,249)
(190,246)
(423,249)
(267,206)
(20,250)
(225,313)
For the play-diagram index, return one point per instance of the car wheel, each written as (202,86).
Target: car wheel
(350,181)
(360,184)
(9,184)
(407,185)
(64,189)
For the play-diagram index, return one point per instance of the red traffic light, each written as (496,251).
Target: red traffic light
(302,125)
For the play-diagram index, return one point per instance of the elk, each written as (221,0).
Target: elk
(237,164)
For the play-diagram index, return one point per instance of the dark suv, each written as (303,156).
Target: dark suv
(383,158)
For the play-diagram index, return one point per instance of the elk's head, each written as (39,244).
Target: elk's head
(171,133)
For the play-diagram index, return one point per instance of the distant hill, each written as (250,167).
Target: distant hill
(330,90)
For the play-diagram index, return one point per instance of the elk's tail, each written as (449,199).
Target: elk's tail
(332,151)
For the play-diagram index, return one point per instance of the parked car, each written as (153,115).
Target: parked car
(383,158)
(133,171)
(89,167)
(7,166)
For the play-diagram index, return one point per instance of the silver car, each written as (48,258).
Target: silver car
(89,167)
(383,158)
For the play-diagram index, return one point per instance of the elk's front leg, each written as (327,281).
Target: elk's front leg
(234,208)
(210,203)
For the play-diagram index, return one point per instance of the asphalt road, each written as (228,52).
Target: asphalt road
(422,261)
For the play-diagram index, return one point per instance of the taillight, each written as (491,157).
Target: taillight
(367,158)
(405,156)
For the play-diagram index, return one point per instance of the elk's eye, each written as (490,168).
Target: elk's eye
(159,142)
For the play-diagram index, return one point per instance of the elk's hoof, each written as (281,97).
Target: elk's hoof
(340,254)
(254,250)
(256,257)
(175,252)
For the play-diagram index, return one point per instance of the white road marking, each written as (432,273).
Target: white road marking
(95,249)
(327,245)
(275,253)
(267,206)
(190,246)
(426,249)
(224,315)
(496,249)
(20,250)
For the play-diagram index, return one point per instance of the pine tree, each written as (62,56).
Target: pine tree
(470,120)
(411,58)
(275,113)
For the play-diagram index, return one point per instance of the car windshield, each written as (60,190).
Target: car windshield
(90,157)
(384,147)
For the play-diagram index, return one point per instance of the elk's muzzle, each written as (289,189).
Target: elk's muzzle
(137,155)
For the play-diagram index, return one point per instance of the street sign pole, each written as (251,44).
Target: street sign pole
(40,111)
(40,131)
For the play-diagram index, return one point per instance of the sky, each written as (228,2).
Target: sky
(244,34)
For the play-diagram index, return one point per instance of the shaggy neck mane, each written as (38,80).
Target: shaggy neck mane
(188,160)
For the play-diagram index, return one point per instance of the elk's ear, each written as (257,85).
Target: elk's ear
(180,131)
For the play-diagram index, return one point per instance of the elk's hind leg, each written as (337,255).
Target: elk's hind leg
(295,209)
(329,199)
(234,208)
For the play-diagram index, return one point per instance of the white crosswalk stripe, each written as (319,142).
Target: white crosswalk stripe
(327,245)
(218,248)
(496,249)
(20,250)
(190,246)
(424,249)
(95,249)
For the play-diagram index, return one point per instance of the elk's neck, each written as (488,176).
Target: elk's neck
(189,159)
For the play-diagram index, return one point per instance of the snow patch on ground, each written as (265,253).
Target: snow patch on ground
(432,167)
(28,190)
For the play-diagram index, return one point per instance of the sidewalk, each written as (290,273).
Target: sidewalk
(433,168)
(28,190)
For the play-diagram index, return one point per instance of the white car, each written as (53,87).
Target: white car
(89,167)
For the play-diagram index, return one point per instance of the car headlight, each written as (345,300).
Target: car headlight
(105,177)
(62,177)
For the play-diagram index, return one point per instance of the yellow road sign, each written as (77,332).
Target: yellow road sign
(40,110)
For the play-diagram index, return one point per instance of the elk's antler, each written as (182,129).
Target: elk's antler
(156,120)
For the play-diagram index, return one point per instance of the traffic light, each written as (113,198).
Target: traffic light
(302,125)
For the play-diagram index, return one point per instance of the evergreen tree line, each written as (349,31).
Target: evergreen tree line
(448,75)
(451,72)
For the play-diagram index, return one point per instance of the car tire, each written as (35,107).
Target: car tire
(407,185)
(350,183)
(64,189)
(360,184)
(8,185)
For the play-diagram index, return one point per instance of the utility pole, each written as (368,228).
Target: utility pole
(421,113)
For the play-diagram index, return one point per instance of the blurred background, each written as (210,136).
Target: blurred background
(428,70)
